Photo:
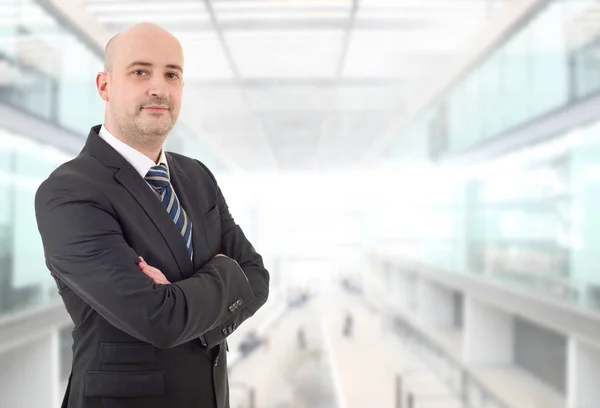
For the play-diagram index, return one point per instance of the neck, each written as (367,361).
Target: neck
(145,145)
(150,150)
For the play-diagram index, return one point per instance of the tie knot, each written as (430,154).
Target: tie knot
(158,177)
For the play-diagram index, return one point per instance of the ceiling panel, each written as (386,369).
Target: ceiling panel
(118,15)
(326,98)
(204,56)
(425,4)
(293,137)
(291,98)
(346,135)
(161,18)
(285,53)
(205,98)
(237,136)
(400,54)
(259,6)
(131,13)
(428,35)
(271,14)
(125,7)
(229,128)
(263,15)
(387,97)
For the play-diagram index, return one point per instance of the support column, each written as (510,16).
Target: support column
(30,374)
(403,289)
(435,304)
(488,334)
(583,374)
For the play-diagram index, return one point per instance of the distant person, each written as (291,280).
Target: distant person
(301,338)
(149,262)
(348,325)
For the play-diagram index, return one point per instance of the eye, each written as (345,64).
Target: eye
(139,72)
(172,75)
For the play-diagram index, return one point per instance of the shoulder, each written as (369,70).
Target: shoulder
(191,166)
(74,178)
(78,168)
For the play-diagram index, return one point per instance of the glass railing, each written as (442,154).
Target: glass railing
(459,380)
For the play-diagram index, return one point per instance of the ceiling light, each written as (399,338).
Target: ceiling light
(144,7)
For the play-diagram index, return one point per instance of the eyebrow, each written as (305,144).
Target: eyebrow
(148,64)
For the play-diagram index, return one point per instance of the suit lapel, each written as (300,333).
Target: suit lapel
(130,179)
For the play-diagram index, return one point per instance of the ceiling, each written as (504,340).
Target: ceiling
(303,85)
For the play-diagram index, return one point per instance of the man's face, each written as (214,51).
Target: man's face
(145,84)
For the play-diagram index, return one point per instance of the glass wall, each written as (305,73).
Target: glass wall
(49,71)
(522,225)
(529,219)
(549,62)
(24,279)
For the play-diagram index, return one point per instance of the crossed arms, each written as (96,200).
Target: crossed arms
(85,250)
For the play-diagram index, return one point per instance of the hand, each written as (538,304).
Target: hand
(154,274)
(219,255)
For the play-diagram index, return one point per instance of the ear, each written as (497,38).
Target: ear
(102,79)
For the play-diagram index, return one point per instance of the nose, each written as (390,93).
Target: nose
(158,87)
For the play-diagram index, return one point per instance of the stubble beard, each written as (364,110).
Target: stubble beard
(143,135)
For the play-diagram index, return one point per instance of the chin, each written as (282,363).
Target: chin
(156,128)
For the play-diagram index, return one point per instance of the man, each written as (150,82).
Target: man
(150,264)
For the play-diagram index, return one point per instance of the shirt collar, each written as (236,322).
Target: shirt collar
(140,162)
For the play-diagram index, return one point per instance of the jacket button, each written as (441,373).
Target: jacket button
(224,331)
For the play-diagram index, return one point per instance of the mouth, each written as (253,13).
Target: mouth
(156,108)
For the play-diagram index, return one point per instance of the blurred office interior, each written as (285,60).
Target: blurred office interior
(420,176)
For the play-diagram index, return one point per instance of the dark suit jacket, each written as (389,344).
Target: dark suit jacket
(137,344)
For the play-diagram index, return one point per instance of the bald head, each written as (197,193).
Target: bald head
(108,53)
(136,33)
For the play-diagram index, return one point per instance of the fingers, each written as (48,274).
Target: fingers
(153,273)
(156,276)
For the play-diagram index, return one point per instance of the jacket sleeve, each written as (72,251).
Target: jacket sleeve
(235,245)
(85,248)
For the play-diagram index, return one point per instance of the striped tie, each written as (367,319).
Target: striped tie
(158,178)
